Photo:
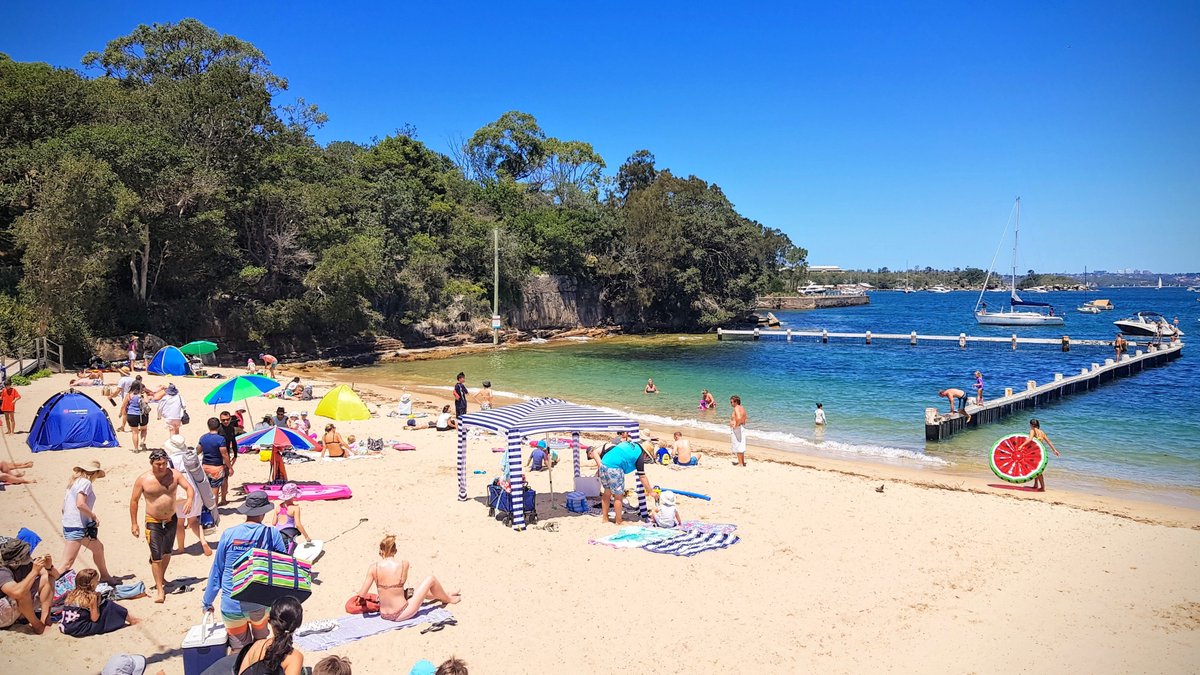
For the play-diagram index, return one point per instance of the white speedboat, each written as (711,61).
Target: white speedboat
(1087,309)
(938,289)
(1149,324)
(1020,312)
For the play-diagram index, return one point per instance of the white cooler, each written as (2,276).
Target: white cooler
(203,646)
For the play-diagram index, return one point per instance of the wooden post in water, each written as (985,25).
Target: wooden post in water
(756,333)
(962,340)
(1014,342)
(912,338)
(868,337)
(1066,343)
(825,336)
(718,333)
(789,335)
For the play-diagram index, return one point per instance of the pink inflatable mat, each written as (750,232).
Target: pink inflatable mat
(309,492)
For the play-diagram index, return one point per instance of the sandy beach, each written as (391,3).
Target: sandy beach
(936,573)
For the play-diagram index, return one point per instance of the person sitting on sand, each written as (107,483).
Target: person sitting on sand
(681,451)
(287,518)
(26,585)
(404,407)
(538,459)
(650,388)
(665,514)
(389,575)
(275,655)
(85,614)
(444,422)
(293,389)
(951,395)
(332,443)
(12,473)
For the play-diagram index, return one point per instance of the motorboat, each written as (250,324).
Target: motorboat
(1150,324)
(1020,312)
(1087,309)
(1101,304)
(938,289)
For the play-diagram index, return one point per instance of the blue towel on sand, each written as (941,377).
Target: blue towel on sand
(358,626)
(29,537)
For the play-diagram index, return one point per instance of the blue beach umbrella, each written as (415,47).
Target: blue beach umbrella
(274,437)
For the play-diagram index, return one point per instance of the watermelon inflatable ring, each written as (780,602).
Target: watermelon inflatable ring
(1016,460)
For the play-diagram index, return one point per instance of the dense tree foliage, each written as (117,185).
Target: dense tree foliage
(171,187)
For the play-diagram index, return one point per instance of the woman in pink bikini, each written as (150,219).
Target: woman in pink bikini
(389,575)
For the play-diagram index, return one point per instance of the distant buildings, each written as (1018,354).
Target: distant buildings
(824,268)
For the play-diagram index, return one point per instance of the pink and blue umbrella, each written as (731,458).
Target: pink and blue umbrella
(275,437)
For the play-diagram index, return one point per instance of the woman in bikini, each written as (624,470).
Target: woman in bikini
(389,575)
(333,443)
(1036,434)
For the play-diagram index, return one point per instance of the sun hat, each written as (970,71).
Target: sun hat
(668,498)
(91,467)
(175,443)
(280,410)
(423,667)
(405,398)
(15,553)
(256,504)
(304,413)
(125,664)
(289,491)
(487,383)
(124,370)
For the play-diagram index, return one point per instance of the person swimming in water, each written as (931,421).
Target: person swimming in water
(650,388)
(706,400)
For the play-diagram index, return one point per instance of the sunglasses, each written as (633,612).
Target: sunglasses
(157,455)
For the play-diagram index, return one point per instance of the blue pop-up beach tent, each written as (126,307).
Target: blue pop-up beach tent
(69,420)
(169,361)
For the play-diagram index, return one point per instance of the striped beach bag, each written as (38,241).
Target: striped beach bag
(261,576)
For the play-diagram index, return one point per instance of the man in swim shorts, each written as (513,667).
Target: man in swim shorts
(159,486)
(681,451)
(613,464)
(951,395)
(737,431)
(244,622)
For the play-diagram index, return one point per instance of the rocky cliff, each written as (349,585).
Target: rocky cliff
(551,302)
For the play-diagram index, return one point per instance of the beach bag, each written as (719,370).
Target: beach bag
(363,604)
(262,576)
(206,519)
(186,417)
(577,502)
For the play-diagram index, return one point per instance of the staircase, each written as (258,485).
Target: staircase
(31,357)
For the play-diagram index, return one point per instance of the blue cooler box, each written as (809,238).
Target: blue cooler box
(576,502)
(203,646)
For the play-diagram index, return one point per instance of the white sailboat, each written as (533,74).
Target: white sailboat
(1020,312)
(1160,283)
(1087,307)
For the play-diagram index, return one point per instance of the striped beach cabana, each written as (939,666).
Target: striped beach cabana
(538,416)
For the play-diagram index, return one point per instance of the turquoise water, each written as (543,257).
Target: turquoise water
(1136,434)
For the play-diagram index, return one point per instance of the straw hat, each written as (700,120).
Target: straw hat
(175,443)
(91,467)
(124,370)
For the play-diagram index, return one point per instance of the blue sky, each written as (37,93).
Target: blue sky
(874,134)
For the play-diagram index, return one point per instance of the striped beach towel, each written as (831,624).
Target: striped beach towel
(693,542)
(706,528)
(635,536)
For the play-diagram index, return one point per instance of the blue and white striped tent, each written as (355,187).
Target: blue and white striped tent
(538,416)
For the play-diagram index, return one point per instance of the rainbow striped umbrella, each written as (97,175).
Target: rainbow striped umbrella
(273,437)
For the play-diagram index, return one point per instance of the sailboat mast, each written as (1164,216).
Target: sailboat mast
(1016,236)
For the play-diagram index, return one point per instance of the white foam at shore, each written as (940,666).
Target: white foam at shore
(777,439)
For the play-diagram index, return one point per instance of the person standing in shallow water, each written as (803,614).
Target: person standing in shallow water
(1036,434)
(737,431)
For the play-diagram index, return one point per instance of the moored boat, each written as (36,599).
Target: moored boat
(1020,312)
(1148,324)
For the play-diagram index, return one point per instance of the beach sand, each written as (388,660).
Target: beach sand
(934,574)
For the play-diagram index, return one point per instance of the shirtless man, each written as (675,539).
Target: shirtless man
(952,394)
(158,486)
(681,450)
(737,431)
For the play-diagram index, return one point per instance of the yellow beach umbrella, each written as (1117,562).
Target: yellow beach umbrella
(341,403)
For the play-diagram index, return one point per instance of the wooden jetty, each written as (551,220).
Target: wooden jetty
(31,357)
(913,338)
(941,426)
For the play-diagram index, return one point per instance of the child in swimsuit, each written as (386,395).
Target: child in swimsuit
(287,518)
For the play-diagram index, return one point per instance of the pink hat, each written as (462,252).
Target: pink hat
(289,491)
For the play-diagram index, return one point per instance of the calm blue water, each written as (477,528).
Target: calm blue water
(1137,434)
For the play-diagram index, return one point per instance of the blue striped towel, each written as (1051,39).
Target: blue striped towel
(691,543)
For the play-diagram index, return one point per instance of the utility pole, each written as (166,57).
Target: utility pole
(496,285)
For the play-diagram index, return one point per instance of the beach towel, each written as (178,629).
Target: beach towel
(636,536)
(355,627)
(706,528)
(691,543)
